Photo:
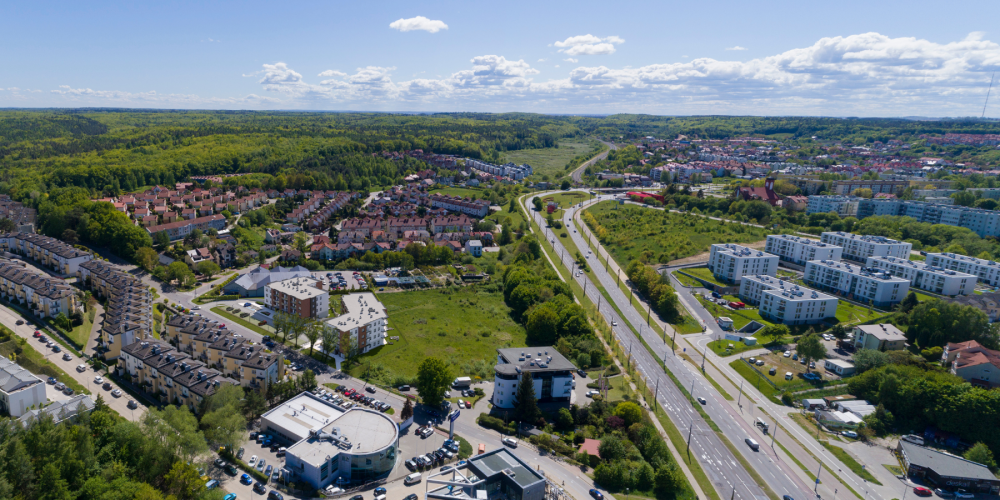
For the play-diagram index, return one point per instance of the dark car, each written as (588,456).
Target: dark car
(267,338)
(259,488)
(107,386)
(274,495)
(253,436)
(379,491)
(411,496)
(231,470)
(274,448)
(357,497)
(239,454)
(267,471)
(787,497)
(597,494)
(410,464)
(52,380)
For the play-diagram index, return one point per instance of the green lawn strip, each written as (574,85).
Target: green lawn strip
(693,465)
(550,161)
(850,462)
(702,273)
(821,393)
(686,280)
(221,311)
(894,469)
(721,347)
(33,361)
(751,376)
(811,427)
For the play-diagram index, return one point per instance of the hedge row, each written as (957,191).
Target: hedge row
(491,422)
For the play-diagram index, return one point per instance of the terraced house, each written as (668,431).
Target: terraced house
(50,252)
(44,296)
(158,369)
(129,313)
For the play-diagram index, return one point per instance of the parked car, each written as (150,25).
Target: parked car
(245,479)
(267,471)
(596,494)
(943,493)
(59,386)
(259,488)
(81,368)
(211,484)
(67,357)
(52,380)
(132,404)
(239,454)
(964,494)
(274,495)
(510,442)
(253,461)
(68,391)
(106,386)
(98,380)
(850,434)
(921,492)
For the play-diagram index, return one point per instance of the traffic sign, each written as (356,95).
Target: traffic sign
(454,415)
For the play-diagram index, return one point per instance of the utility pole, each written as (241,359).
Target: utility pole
(740,399)
(704,354)
(774,435)
(820,469)
(690,431)
(673,343)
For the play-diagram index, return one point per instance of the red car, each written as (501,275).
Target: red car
(922,492)
(38,334)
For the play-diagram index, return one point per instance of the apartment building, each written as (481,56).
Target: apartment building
(20,390)
(785,302)
(551,374)
(925,276)
(799,250)
(730,262)
(468,206)
(50,252)
(861,284)
(180,229)
(129,313)
(982,222)
(890,187)
(509,170)
(881,337)
(302,296)
(41,294)
(987,271)
(361,324)
(844,206)
(859,247)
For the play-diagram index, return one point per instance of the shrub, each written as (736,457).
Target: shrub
(491,422)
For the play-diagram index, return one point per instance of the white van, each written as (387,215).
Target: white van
(412,479)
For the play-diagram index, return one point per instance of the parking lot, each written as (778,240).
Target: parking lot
(349,283)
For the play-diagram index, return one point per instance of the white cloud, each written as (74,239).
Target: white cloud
(570,59)
(736,47)
(419,23)
(210,40)
(542,60)
(588,45)
(86,96)
(332,72)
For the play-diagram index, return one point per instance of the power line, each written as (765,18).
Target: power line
(988,95)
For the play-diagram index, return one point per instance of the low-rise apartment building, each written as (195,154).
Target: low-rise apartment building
(785,302)
(844,206)
(881,337)
(361,325)
(551,374)
(925,276)
(987,271)
(730,262)
(50,252)
(41,294)
(129,313)
(799,250)
(180,229)
(20,390)
(860,247)
(302,296)
(861,284)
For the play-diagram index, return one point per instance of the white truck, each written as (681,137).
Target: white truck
(462,382)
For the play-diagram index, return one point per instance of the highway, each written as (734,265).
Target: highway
(578,173)
(721,466)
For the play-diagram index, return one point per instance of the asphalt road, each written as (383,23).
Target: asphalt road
(578,173)
(716,459)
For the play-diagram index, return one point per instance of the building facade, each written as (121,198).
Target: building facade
(41,294)
(857,283)
(361,324)
(128,315)
(730,262)
(302,296)
(551,372)
(785,302)
(799,250)
(926,277)
(880,337)
(50,252)
(987,271)
(844,206)
(20,390)
(860,247)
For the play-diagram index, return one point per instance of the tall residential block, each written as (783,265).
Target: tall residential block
(729,262)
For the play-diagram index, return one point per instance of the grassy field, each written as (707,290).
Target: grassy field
(460,191)
(462,328)
(850,313)
(720,347)
(33,361)
(263,330)
(740,318)
(657,236)
(703,273)
(686,281)
(78,335)
(516,218)
(549,162)
(564,200)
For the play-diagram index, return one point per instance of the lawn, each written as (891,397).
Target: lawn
(263,330)
(78,335)
(850,462)
(851,313)
(563,200)
(782,365)
(740,317)
(34,362)
(463,328)
(658,236)
(549,161)
(720,347)
(702,273)
(516,218)
(686,280)
(460,191)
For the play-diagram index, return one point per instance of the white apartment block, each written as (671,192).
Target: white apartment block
(859,247)
(20,390)
(785,302)
(798,250)
(925,276)
(987,271)
(880,289)
(729,262)
(844,206)
(362,323)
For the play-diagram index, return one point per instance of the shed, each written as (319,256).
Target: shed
(813,404)
(841,367)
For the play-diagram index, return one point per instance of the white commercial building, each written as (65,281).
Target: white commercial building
(987,271)
(331,444)
(844,206)
(925,276)
(861,284)
(362,323)
(20,390)
(551,372)
(729,262)
(785,302)
(799,250)
(859,247)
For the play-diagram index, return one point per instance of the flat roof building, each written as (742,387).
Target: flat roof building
(881,337)
(552,374)
(799,250)
(946,471)
(302,296)
(861,284)
(860,247)
(362,323)
(19,388)
(926,276)
(730,262)
(844,206)
(495,475)
(987,271)
(786,302)
(328,444)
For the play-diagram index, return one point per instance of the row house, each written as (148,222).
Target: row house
(401,225)
(53,254)
(351,237)
(468,206)
(129,312)
(43,295)
(180,229)
(159,370)
(452,223)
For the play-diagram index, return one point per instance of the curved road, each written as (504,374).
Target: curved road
(578,173)
(722,468)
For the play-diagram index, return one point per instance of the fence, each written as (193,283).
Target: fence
(754,368)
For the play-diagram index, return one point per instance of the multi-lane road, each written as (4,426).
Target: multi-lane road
(578,173)
(719,463)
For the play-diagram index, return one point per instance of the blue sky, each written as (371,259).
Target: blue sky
(724,57)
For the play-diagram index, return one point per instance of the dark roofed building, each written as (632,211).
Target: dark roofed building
(552,374)
(946,471)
